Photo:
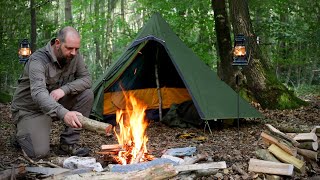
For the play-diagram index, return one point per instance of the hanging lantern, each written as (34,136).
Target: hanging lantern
(240,53)
(24,51)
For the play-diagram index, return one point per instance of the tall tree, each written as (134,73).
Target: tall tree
(259,81)
(68,12)
(33,26)
(222,28)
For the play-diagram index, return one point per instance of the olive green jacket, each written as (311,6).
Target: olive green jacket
(43,74)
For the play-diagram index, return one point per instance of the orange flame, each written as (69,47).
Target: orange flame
(239,51)
(132,136)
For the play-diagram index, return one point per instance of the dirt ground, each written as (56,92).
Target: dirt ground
(227,142)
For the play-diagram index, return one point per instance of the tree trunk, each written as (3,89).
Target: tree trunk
(96,38)
(259,82)
(68,12)
(225,71)
(33,26)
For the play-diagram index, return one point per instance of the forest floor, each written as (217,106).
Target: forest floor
(226,143)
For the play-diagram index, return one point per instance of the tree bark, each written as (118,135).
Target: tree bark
(33,26)
(259,83)
(95,126)
(68,12)
(222,28)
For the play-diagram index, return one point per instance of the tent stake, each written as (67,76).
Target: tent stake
(158,85)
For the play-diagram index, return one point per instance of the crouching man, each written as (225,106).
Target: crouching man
(55,84)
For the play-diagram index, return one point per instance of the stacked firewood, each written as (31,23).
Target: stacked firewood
(287,153)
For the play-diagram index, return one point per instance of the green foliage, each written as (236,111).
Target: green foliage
(289,32)
(5,97)
(308,90)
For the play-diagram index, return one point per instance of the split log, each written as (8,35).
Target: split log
(275,131)
(303,137)
(164,171)
(271,140)
(193,167)
(266,155)
(95,126)
(309,145)
(111,147)
(287,158)
(107,152)
(256,165)
(308,154)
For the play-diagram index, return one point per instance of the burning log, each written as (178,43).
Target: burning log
(271,140)
(287,158)
(111,147)
(95,126)
(269,167)
(139,156)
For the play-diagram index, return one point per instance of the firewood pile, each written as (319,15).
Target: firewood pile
(287,153)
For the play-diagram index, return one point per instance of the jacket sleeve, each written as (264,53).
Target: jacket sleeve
(39,92)
(82,79)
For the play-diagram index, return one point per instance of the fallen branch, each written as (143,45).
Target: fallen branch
(239,170)
(194,159)
(275,131)
(26,157)
(95,126)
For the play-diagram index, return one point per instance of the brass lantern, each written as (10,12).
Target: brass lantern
(24,51)
(240,53)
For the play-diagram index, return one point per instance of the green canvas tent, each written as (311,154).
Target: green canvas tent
(157,53)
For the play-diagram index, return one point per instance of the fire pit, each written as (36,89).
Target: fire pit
(132,140)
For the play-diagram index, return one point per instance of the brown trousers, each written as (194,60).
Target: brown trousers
(33,129)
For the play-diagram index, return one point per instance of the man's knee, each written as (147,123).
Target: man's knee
(31,149)
(88,95)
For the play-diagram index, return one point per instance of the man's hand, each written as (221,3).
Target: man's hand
(72,120)
(57,94)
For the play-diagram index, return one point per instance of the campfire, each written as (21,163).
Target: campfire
(132,140)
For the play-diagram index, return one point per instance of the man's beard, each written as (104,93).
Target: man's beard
(63,60)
